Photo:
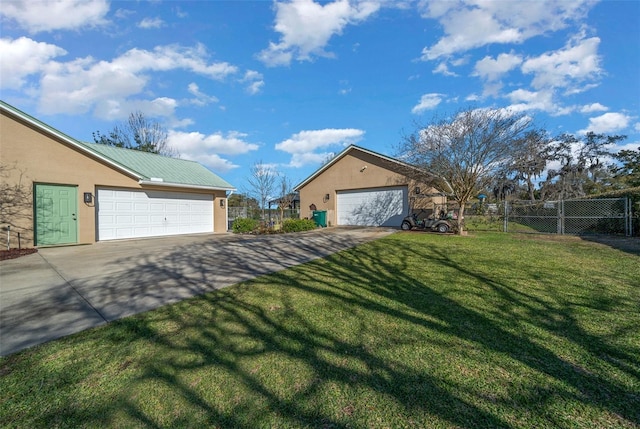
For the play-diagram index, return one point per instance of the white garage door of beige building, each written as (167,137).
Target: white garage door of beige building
(372,207)
(126,213)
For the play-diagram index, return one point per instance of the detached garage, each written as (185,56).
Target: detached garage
(82,193)
(359,187)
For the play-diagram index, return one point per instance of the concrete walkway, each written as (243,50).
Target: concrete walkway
(63,290)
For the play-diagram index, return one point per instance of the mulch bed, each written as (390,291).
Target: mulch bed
(15,253)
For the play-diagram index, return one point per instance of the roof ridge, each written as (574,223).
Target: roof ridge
(342,153)
(143,153)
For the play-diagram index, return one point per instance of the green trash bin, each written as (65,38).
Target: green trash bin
(320,218)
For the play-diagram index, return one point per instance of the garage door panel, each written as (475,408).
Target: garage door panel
(372,207)
(131,214)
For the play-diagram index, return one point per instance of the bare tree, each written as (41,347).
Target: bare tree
(287,194)
(138,133)
(464,153)
(16,201)
(262,182)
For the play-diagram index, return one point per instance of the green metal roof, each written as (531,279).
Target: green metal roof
(161,169)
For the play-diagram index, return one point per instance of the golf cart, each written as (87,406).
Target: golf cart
(440,223)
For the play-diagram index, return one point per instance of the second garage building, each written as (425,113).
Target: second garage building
(360,187)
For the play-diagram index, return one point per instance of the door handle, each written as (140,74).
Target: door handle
(73,215)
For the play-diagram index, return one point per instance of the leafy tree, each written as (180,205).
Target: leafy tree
(243,200)
(242,205)
(462,155)
(138,133)
(262,182)
(581,168)
(503,186)
(628,172)
(529,161)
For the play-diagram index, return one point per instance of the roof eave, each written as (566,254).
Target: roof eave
(184,186)
(67,139)
(341,155)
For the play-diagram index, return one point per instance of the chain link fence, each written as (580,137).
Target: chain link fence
(583,216)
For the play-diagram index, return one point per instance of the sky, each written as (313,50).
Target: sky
(289,83)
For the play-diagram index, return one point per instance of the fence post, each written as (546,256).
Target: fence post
(561,217)
(505,223)
(628,217)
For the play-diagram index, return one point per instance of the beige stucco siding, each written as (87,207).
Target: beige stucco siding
(40,158)
(356,170)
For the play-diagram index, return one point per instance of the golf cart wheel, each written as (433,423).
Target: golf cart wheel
(406,226)
(443,227)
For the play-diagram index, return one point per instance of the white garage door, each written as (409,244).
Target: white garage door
(124,213)
(372,207)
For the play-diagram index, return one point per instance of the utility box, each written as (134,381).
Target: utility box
(320,218)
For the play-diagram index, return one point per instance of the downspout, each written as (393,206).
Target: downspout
(229,193)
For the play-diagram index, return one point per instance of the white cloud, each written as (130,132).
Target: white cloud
(594,107)
(303,144)
(148,23)
(171,57)
(23,57)
(49,15)
(443,69)
(627,146)
(231,143)
(427,102)
(305,28)
(301,159)
(576,63)
(124,13)
(254,80)
(119,109)
(524,100)
(213,161)
(206,149)
(201,99)
(471,24)
(607,123)
(85,84)
(492,69)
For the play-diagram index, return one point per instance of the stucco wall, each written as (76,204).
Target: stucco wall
(349,173)
(34,157)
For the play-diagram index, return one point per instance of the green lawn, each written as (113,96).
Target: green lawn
(415,330)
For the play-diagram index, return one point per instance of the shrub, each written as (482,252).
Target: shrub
(244,225)
(297,225)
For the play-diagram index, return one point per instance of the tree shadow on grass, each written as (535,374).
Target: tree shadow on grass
(226,359)
(625,244)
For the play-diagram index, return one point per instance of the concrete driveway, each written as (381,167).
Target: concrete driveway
(63,290)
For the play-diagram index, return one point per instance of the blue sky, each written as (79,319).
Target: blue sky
(290,82)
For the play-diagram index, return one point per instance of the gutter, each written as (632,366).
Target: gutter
(142,182)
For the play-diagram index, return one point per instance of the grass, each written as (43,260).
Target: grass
(411,331)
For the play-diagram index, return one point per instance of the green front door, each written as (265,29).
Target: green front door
(56,213)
